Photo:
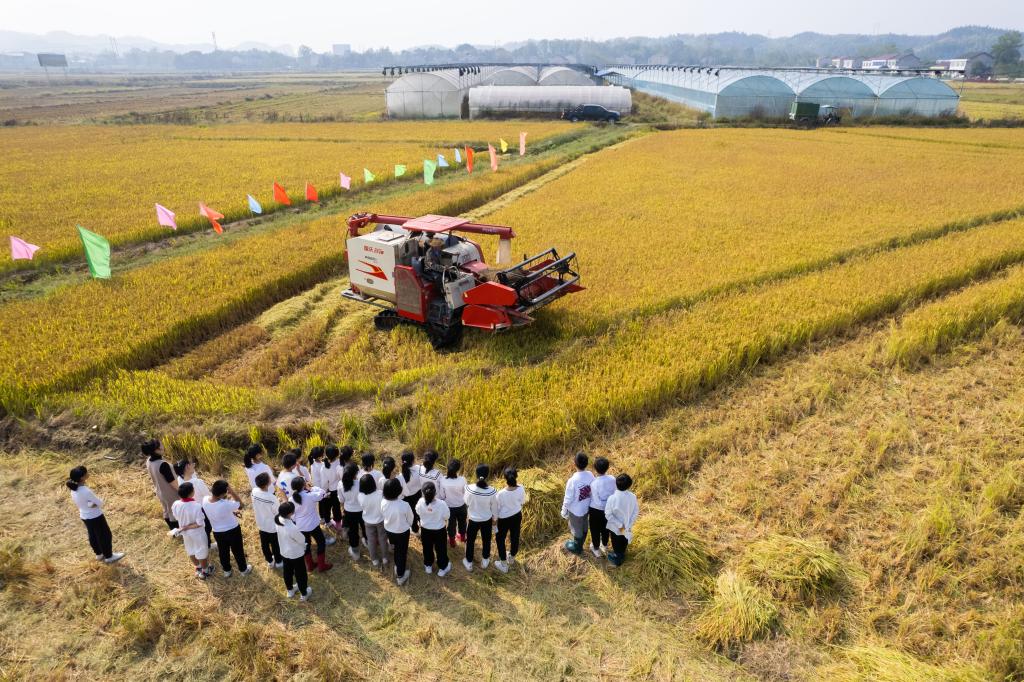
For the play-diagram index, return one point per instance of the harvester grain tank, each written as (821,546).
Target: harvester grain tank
(420,271)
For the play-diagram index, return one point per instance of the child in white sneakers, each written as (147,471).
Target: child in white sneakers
(602,489)
(192,529)
(293,550)
(398,519)
(510,518)
(370,498)
(433,530)
(482,510)
(90,510)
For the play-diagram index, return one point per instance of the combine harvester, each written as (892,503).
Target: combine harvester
(419,272)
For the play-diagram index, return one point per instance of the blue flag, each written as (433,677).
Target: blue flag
(458,156)
(254,205)
(441,161)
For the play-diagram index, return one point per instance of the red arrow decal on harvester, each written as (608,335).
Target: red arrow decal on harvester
(374,272)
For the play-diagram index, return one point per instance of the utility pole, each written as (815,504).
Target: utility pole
(214,35)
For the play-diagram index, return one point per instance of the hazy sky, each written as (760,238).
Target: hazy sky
(403,23)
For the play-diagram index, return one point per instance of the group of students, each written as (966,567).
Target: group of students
(379,509)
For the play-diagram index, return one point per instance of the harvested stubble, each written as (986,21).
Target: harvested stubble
(739,612)
(794,568)
(667,557)
(542,518)
(880,664)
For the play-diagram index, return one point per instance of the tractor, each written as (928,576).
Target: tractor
(423,271)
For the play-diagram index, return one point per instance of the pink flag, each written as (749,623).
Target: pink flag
(346,181)
(522,143)
(22,250)
(494,157)
(165,217)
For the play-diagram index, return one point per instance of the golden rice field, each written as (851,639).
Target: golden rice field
(805,345)
(108,179)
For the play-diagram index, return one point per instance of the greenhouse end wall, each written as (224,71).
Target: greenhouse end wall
(545,98)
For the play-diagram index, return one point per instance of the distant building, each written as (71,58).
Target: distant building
(341,49)
(892,62)
(969,66)
(844,62)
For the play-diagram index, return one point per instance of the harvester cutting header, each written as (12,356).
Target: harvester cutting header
(418,271)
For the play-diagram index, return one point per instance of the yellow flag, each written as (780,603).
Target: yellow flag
(504,145)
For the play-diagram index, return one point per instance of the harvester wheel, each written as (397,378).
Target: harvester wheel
(386,320)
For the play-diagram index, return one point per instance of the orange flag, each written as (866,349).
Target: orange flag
(469,160)
(212,216)
(280,196)
(311,192)
(494,157)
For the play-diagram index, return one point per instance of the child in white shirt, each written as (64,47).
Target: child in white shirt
(510,518)
(367,461)
(264,507)
(332,477)
(576,504)
(192,529)
(348,489)
(307,500)
(370,498)
(482,510)
(186,472)
(254,465)
(412,484)
(621,511)
(90,510)
(602,489)
(433,529)
(398,518)
(453,491)
(293,550)
(223,514)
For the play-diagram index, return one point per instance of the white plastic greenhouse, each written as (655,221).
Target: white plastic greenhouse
(563,75)
(513,75)
(485,99)
(735,93)
(432,94)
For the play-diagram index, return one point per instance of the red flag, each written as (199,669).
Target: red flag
(212,216)
(280,196)
(494,157)
(311,192)
(469,160)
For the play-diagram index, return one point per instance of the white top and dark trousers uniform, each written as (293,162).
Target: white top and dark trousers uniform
(398,518)
(621,512)
(353,518)
(433,529)
(90,510)
(453,491)
(307,519)
(510,520)
(293,549)
(601,489)
(482,509)
(264,508)
(412,490)
(227,532)
(373,522)
(332,479)
(575,507)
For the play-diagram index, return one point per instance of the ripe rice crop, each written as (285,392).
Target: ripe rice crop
(108,179)
(517,412)
(144,314)
(967,314)
(666,217)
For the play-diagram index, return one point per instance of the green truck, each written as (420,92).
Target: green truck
(812,114)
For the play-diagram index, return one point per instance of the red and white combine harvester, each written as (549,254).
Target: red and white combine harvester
(419,271)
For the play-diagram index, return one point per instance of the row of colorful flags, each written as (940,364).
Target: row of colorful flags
(97,248)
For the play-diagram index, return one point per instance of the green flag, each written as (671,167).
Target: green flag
(97,253)
(428,171)
(367,176)
(399,170)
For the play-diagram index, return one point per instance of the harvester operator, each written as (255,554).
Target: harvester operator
(432,267)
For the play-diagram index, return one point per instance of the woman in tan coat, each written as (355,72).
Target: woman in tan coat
(165,483)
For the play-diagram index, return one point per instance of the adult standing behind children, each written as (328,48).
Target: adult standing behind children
(90,510)
(165,485)
(576,504)
(622,511)
(224,514)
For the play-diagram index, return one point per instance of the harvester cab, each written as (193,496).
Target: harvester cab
(419,271)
